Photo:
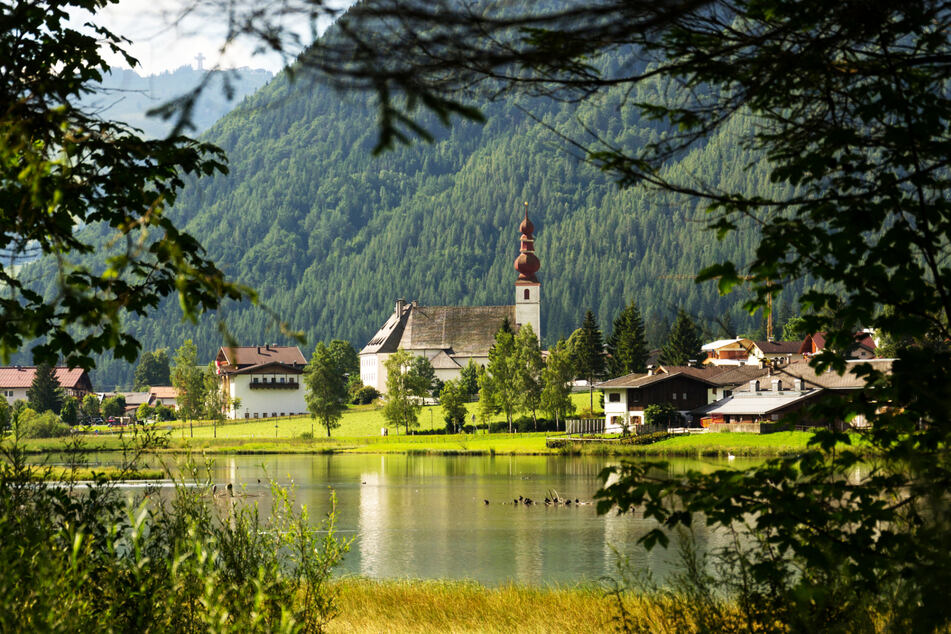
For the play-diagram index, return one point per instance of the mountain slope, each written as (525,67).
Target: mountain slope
(331,236)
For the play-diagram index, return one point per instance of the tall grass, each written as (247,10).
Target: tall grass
(89,559)
(454,606)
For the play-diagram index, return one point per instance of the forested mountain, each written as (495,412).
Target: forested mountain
(331,236)
(126,96)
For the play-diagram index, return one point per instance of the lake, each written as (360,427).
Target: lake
(421,516)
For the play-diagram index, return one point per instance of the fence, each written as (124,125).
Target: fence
(584,425)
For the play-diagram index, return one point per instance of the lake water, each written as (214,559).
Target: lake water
(426,517)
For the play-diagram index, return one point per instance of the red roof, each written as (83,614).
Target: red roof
(22,376)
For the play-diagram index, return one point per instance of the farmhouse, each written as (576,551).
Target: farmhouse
(743,351)
(262,381)
(16,380)
(451,336)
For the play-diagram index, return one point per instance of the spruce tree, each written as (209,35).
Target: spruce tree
(588,353)
(683,344)
(45,393)
(627,345)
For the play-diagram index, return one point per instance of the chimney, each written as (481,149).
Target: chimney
(797,384)
(777,385)
(259,349)
(399,307)
(754,386)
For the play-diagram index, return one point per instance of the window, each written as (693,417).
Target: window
(282,380)
(282,413)
(727,393)
(528,294)
(614,397)
(273,414)
(685,396)
(254,380)
(674,395)
(256,415)
(247,415)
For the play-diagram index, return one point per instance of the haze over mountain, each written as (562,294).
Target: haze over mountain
(331,236)
(127,96)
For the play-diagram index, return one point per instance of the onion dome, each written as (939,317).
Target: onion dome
(527,263)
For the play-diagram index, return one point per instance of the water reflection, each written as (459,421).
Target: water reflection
(426,517)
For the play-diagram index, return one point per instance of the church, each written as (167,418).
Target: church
(449,336)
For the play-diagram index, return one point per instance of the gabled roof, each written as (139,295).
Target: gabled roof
(818,339)
(12,377)
(163,392)
(719,343)
(778,347)
(263,368)
(459,330)
(443,361)
(242,356)
(641,380)
(829,379)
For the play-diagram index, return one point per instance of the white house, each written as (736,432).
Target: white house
(743,351)
(16,380)
(265,381)
(451,336)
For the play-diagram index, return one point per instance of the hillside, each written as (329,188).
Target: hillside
(331,236)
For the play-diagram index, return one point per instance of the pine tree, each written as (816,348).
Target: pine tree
(627,345)
(587,345)
(683,344)
(45,393)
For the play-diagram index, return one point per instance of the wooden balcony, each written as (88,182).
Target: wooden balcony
(287,385)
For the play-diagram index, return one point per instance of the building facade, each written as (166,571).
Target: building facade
(262,381)
(16,380)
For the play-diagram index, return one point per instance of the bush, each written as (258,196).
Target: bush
(45,425)
(164,413)
(365,395)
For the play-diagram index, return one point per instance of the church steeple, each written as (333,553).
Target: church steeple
(527,263)
(527,288)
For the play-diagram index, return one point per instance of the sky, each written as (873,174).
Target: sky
(161,41)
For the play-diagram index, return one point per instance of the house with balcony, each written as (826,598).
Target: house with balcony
(262,381)
(743,351)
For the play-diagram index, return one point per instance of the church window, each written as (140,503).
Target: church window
(527,294)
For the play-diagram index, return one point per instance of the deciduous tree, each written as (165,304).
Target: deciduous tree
(529,366)
(153,369)
(189,380)
(557,377)
(405,390)
(326,386)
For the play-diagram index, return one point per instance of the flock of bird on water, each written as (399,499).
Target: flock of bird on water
(551,499)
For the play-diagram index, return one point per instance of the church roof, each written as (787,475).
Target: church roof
(443,361)
(461,330)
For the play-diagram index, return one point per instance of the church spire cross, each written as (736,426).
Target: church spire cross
(527,263)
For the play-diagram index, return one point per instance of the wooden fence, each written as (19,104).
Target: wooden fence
(584,425)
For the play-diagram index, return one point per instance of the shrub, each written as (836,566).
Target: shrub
(365,395)
(45,425)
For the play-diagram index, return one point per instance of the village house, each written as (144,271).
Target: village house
(264,381)
(163,395)
(450,336)
(683,388)
(863,348)
(743,351)
(784,391)
(16,380)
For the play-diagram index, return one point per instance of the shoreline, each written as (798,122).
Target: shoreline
(720,444)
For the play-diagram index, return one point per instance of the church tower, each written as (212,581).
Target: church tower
(527,288)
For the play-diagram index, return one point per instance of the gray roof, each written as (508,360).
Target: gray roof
(758,404)
(464,330)
(829,379)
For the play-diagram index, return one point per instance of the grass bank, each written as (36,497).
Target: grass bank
(64,474)
(447,606)
(695,445)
